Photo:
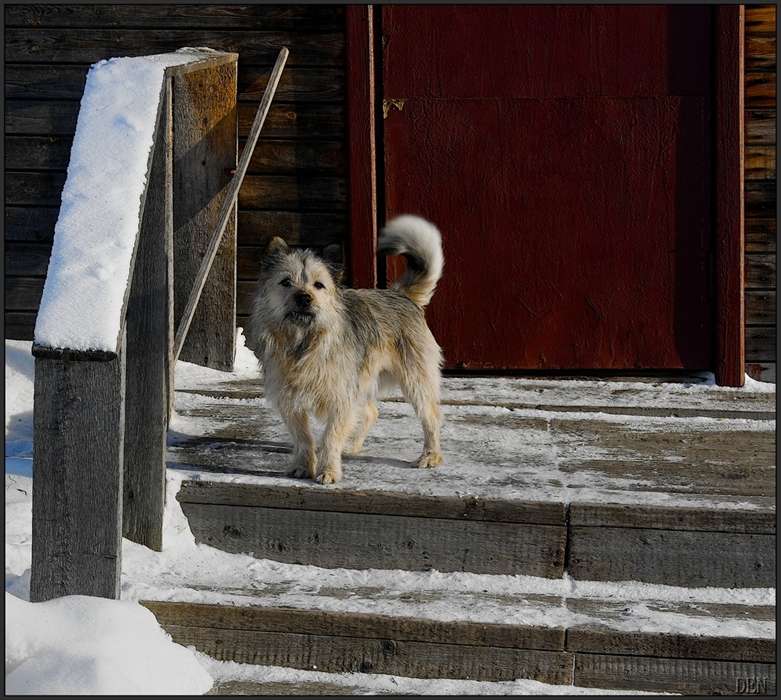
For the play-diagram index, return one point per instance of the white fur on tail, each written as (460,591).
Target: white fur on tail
(420,242)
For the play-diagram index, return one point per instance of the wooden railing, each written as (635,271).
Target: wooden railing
(101,416)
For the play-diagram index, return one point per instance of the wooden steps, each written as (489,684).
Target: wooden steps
(589,642)
(540,481)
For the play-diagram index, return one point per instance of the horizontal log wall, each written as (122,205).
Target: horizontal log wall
(760,193)
(296,183)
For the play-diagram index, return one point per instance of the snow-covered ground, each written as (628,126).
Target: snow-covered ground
(81,645)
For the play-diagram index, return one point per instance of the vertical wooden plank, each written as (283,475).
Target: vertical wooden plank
(204,156)
(149,326)
(79,426)
(362,169)
(730,342)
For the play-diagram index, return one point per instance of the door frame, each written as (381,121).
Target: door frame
(728,343)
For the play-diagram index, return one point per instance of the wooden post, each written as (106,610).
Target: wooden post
(77,484)
(149,326)
(730,313)
(205,145)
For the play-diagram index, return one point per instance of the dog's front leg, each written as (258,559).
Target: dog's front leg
(304,455)
(337,431)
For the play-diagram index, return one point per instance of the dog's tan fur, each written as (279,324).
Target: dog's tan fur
(328,351)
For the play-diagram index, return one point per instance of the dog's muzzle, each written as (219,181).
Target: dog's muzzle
(302,313)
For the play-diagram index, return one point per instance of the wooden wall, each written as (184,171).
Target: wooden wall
(760,224)
(297,183)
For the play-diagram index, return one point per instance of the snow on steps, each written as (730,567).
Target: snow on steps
(614,636)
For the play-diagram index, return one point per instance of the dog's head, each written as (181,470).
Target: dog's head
(297,286)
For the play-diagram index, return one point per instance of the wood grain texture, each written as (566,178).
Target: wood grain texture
(761,162)
(333,539)
(761,343)
(30,224)
(671,646)
(387,656)
(673,558)
(297,193)
(685,676)
(760,19)
(760,271)
(760,235)
(341,624)
(371,502)
(79,425)
(37,152)
(204,152)
(149,327)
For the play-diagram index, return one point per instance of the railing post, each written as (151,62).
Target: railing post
(149,325)
(205,146)
(77,483)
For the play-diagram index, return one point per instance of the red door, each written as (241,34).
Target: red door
(564,151)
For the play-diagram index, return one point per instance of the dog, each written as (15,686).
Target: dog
(329,351)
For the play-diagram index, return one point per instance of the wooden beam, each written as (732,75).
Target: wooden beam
(362,163)
(149,324)
(730,345)
(79,427)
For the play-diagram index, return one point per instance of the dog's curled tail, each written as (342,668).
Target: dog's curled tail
(419,242)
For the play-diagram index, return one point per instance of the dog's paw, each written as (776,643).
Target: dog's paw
(328,477)
(298,472)
(428,460)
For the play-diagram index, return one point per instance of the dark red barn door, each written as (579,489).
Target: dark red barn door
(565,152)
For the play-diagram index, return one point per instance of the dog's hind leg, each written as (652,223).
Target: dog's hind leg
(365,422)
(304,459)
(424,399)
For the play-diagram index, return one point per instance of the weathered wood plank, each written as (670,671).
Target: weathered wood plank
(607,641)
(19,325)
(761,308)
(760,235)
(760,343)
(673,558)
(204,144)
(760,19)
(760,271)
(39,188)
(365,655)
(339,624)
(47,117)
(308,229)
(79,425)
(685,676)
(760,197)
(303,18)
(356,540)
(299,121)
(289,157)
(296,84)
(372,502)
(760,126)
(37,152)
(31,224)
(27,259)
(288,192)
(45,82)
(23,293)
(760,53)
(760,162)
(149,330)
(672,518)
(39,45)
(760,90)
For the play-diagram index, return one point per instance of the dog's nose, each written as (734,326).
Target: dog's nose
(303,300)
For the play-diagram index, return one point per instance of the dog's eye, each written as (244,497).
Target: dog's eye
(286,282)
(319,285)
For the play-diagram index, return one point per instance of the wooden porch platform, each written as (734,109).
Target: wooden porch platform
(591,481)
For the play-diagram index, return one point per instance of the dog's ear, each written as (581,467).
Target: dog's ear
(275,247)
(332,257)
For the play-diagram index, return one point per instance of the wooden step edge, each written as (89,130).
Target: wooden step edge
(308,497)
(579,638)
